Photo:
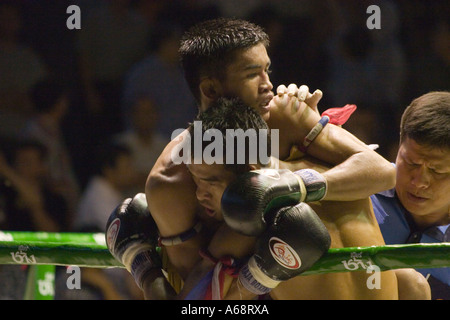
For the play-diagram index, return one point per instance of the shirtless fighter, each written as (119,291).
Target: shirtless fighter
(241,194)
(228,58)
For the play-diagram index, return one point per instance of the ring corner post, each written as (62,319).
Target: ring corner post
(40,283)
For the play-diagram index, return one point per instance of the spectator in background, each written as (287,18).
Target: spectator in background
(150,11)
(105,190)
(29,204)
(435,60)
(426,37)
(50,100)
(112,39)
(115,174)
(297,30)
(144,142)
(20,69)
(159,77)
(367,68)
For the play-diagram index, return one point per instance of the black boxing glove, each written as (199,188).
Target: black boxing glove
(132,237)
(292,243)
(247,200)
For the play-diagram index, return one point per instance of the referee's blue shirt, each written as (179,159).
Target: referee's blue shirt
(397,227)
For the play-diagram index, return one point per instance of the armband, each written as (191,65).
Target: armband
(182,237)
(313,133)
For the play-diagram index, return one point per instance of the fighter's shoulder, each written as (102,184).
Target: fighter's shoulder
(167,177)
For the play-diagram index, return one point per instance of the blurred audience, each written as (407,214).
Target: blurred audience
(28,201)
(113,37)
(436,60)
(20,69)
(51,102)
(13,278)
(97,284)
(144,142)
(106,189)
(367,68)
(159,78)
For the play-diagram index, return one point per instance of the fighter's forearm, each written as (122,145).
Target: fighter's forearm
(358,177)
(156,287)
(356,170)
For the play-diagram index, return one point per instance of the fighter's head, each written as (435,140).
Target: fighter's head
(239,137)
(423,158)
(227,57)
(234,135)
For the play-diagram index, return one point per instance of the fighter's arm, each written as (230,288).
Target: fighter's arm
(293,241)
(357,171)
(172,203)
(156,287)
(306,162)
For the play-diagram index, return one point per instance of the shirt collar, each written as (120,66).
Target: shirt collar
(441,233)
(388,193)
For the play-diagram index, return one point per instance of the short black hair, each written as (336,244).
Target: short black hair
(209,46)
(233,113)
(427,120)
(107,155)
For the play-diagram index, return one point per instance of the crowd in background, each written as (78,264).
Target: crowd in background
(84,113)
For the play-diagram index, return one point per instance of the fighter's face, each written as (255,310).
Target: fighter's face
(211,181)
(247,77)
(423,179)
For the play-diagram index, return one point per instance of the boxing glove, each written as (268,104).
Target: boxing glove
(132,237)
(292,243)
(247,200)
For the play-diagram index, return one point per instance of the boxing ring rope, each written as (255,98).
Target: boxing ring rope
(62,249)
(89,250)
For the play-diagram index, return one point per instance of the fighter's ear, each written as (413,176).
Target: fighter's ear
(210,88)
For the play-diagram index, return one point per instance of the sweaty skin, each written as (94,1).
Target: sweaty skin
(356,227)
(350,224)
(171,192)
(422,183)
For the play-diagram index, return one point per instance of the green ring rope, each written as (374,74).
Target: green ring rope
(89,250)
(64,249)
